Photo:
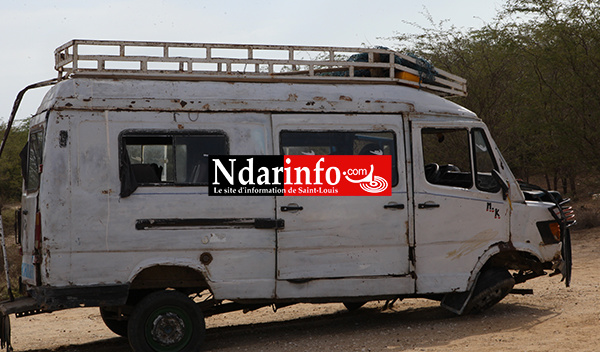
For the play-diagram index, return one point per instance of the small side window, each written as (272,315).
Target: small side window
(446,157)
(151,158)
(484,163)
(159,159)
(341,143)
(34,161)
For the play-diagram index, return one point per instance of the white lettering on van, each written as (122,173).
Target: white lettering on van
(299,170)
(219,166)
(250,172)
(318,170)
(338,176)
(276,172)
(292,176)
(263,177)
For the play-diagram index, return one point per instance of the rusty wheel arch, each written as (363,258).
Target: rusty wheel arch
(515,260)
(505,255)
(169,276)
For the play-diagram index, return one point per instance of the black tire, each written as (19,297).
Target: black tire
(567,256)
(109,316)
(492,286)
(352,306)
(166,321)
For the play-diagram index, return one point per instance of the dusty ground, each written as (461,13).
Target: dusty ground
(554,318)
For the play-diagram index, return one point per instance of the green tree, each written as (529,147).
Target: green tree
(533,78)
(563,41)
(10,164)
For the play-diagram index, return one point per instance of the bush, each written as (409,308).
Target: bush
(10,164)
(12,250)
(587,214)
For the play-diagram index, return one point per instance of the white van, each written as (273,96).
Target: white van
(116,211)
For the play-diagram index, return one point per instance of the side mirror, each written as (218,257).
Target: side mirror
(501,182)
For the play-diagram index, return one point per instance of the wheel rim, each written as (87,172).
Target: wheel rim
(168,329)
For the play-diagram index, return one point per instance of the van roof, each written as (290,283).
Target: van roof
(252,63)
(128,94)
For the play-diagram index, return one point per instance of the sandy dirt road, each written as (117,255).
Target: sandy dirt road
(554,318)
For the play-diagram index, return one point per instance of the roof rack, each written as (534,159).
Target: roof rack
(242,62)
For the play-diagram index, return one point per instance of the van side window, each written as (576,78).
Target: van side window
(341,143)
(34,161)
(484,163)
(446,157)
(169,158)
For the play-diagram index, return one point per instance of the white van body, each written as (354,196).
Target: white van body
(430,238)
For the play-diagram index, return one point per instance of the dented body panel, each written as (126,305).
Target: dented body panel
(116,211)
(93,236)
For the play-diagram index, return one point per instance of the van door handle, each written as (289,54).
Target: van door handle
(428,205)
(394,206)
(291,207)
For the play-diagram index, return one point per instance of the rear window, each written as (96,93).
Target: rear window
(34,149)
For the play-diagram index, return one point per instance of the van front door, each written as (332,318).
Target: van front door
(340,237)
(459,209)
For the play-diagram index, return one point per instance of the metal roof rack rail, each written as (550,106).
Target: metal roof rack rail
(257,63)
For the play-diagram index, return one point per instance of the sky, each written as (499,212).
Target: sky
(30,30)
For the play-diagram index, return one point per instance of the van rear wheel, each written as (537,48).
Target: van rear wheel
(166,321)
(352,306)
(111,320)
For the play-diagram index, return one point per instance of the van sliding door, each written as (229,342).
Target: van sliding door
(339,237)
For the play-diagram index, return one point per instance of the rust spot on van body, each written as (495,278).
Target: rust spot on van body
(506,247)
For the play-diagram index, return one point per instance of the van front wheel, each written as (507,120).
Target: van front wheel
(492,286)
(166,321)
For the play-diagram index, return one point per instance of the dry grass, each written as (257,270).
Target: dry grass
(12,249)
(587,213)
